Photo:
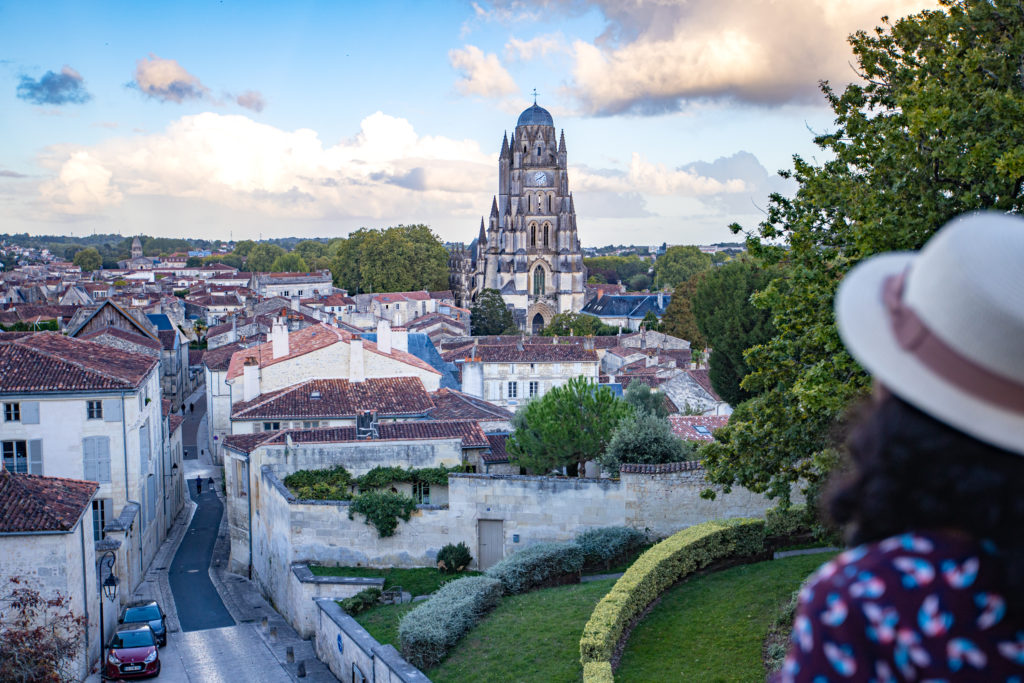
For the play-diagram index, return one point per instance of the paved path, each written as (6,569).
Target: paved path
(198,603)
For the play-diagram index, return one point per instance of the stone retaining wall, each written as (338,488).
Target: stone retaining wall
(351,653)
(304,587)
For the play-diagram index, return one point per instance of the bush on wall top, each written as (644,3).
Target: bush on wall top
(657,569)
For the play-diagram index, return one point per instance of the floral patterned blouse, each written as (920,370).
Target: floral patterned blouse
(914,607)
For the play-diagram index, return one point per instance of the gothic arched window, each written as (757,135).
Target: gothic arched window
(538,281)
(533,235)
(547,229)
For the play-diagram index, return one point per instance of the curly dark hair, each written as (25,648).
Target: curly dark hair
(911,472)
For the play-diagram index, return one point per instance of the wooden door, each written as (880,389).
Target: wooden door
(492,542)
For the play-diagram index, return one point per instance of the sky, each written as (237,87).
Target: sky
(247,120)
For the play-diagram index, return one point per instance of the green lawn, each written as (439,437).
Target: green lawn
(529,637)
(712,627)
(420,581)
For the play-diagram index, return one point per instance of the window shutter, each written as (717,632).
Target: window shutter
(35,456)
(144,446)
(151,497)
(89,458)
(30,412)
(111,410)
(102,449)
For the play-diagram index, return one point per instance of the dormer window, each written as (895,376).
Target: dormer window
(314,395)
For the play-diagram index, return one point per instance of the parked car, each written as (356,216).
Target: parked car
(147,613)
(132,653)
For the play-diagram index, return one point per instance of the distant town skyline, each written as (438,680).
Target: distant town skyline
(315,119)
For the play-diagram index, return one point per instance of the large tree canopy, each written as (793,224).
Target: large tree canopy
(88,260)
(399,259)
(566,427)
(679,264)
(731,323)
(576,324)
(261,257)
(489,315)
(679,320)
(933,130)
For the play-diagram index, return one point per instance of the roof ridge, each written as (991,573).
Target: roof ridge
(77,364)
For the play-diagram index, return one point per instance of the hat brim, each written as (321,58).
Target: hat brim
(864,326)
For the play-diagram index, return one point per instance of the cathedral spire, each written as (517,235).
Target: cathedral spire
(504,146)
(561,143)
(494,207)
(483,237)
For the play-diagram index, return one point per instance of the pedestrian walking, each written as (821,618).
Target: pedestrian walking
(199,484)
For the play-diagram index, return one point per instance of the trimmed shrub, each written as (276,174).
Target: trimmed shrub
(429,631)
(452,559)
(795,520)
(361,601)
(606,544)
(543,564)
(598,672)
(653,572)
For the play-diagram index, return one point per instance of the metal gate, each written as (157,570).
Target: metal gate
(492,542)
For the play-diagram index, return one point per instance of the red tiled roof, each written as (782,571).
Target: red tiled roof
(702,377)
(48,361)
(339,398)
(442,294)
(220,357)
(684,426)
(311,339)
(455,405)
(467,430)
(30,502)
(176,421)
(664,468)
(120,333)
(498,453)
(167,338)
(529,353)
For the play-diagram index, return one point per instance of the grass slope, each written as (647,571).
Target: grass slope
(712,627)
(419,581)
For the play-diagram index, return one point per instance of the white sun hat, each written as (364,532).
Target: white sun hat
(943,327)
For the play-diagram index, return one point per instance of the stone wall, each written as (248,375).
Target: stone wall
(345,646)
(306,587)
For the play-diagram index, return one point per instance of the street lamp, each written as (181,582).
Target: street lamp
(109,590)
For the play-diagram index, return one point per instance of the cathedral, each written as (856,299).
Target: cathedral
(528,248)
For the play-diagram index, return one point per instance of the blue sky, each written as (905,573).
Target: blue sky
(317,118)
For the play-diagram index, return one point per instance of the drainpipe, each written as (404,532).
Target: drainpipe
(248,483)
(85,593)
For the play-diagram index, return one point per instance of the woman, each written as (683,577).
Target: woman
(934,590)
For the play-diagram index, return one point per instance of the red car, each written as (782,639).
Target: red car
(132,653)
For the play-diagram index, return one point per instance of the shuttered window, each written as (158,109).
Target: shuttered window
(96,458)
(144,447)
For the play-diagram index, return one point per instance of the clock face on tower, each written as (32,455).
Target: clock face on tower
(540,178)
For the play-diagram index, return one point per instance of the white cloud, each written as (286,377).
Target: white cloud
(539,46)
(652,179)
(656,54)
(165,79)
(482,74)
(385,170)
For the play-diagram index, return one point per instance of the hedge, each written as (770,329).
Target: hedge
(605,544)
(429,631)
(785,522)
(653,572)
(598,672)
(538,565)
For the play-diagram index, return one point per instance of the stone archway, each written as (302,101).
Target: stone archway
(542,310)
(537,325)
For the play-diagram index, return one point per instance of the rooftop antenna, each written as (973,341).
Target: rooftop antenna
(535,97)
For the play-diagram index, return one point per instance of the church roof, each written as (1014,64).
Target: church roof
(535,116)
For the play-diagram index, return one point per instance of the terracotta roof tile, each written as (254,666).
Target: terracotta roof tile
(685,426)
(703,378)
(468,430)
(48,361)
(664,468)
(33,503)
(123,334)
(455,405)
(339,398)
(533,353)
(498,453)
(176,421)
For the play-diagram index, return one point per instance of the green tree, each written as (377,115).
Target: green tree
(644,438)
(261,258)
(88,260)
(679,264)
(244,247)
(678,319)
(731,323)
(194,262)
(566,427)
(616,269)
(644,400)
(932,131)
(345,255)
(289,263)
(232,259)
(639,282)
(310,249)
(489,315)
(402,259)
(577,324)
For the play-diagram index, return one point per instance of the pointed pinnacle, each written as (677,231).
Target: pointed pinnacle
(504,145)
(494,206)
(561,142)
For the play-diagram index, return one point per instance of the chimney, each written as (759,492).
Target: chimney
(473,377)
(356,372)
(554,340)
(295,303)
(588,343)
(250,379)
(234,329)
(661,300)
(611,379)
(400,339)
(643,338)
(384,336)
(366,425)
(279,338)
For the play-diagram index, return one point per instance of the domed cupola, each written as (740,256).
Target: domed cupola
(535,116)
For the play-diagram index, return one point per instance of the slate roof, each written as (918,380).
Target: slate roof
(468,430)
(160,321)
(312,339)
(423,348)
(50,362)
(127,336)
(31,502)
(685,426)
(339,398)
(626,305)
(498,453)
(455,405)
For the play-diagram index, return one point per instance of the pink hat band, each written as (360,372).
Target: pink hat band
(913,336)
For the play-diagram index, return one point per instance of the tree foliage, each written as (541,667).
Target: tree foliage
(678,319)
(679,264)
(310,250)
(88,259)
(244,247)
(577,324)
(261,257)
(489,315)
(289,263)
(934,130)
(399,259)
(645,400)
(731,323)
(616,269)
(565,427)
(644,438)
(40,637)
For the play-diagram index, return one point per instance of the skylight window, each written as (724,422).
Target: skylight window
(701,429)
(314,395)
